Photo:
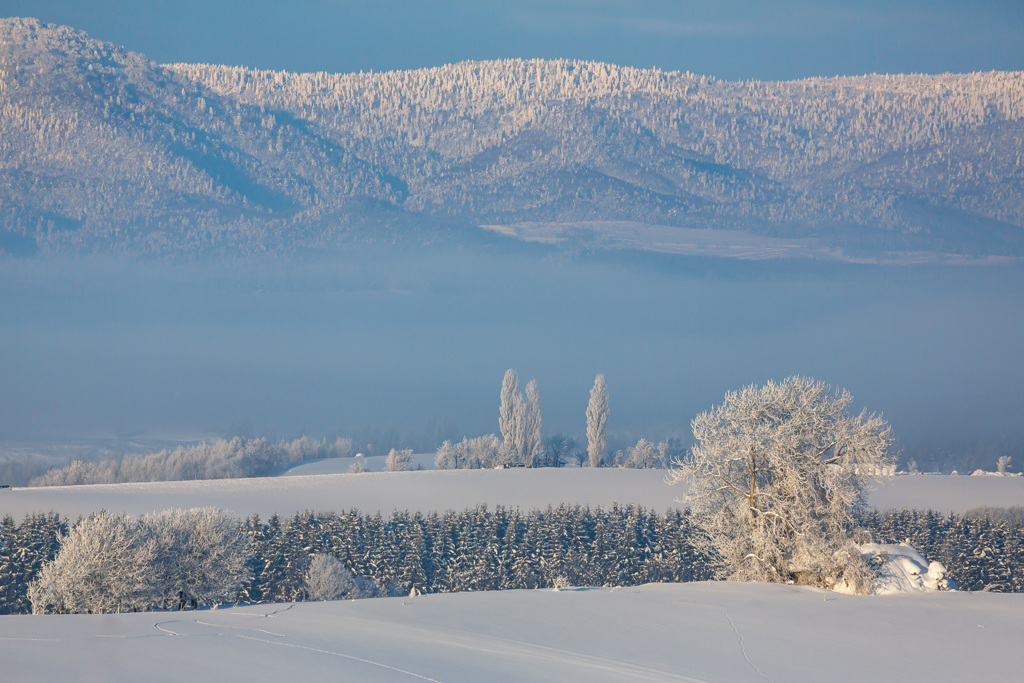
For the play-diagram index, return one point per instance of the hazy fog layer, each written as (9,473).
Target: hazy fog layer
(99,347)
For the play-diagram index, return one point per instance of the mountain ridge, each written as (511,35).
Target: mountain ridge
(108,151)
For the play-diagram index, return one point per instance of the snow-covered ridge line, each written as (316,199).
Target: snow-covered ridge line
(109,150)
(586,78)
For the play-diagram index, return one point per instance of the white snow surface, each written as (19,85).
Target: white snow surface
(457,490)
(658,632)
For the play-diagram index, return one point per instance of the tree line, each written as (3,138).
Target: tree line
(221,459)
(475,549)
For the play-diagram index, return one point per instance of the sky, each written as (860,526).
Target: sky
(729,39)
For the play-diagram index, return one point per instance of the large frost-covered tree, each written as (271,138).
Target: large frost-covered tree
(117,562)
(202,556)
(775,477)
(597,421)
(104,565)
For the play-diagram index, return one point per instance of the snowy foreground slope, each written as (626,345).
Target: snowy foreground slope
(665,632)
(460,489)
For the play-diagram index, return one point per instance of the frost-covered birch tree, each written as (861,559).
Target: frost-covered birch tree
(597,421)
(775,477)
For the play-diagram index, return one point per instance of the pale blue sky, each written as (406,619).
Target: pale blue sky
(733,39)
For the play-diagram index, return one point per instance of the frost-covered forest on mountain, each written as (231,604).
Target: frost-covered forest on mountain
(104,150)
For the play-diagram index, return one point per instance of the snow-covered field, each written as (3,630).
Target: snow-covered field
(441,490)
(698,631)
(384,491)
(680,632)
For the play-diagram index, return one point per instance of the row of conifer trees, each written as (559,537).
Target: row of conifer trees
(497,549)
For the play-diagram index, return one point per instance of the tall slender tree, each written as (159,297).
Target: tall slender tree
(510,411)
(597,421)
(533,446)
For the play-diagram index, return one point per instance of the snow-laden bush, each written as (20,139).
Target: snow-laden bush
(398,461)
(900,568)
(117,562)
(470,454)
(775,478)
(644,455)
(329,579)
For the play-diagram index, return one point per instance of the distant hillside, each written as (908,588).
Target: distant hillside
(101,149)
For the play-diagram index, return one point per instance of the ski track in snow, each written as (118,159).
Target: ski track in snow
(473,641)
(159,627)
(241,628)
(743,650)
(343,655)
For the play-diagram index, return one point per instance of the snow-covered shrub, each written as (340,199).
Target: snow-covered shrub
(398,461)
(358,466)
(476,453)
(561,582)
(328,579)
(644,455)
(900,568)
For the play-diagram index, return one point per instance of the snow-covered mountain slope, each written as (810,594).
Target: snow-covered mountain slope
(103,149)
(457,490)
(663,632)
